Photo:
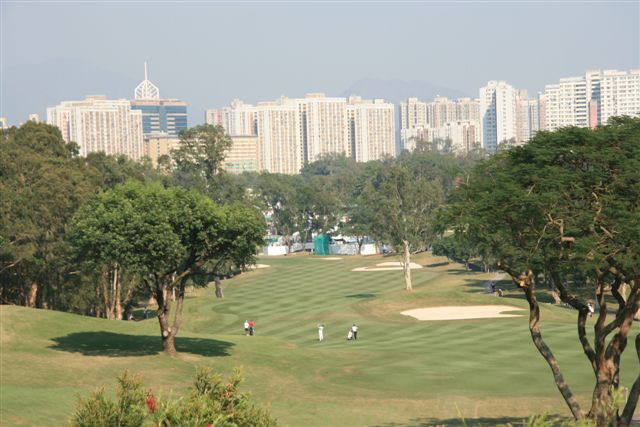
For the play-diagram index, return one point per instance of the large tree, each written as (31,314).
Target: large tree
(167,238)
(565,208)
(198,163)
(401,200)
(42,184)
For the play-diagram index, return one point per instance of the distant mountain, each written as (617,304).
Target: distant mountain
(396,91)
(31,88)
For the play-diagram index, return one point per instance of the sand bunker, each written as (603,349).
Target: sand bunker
(330,258)
(462,312)
(387,266)
(260,266)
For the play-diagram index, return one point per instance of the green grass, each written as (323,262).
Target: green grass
(400,371)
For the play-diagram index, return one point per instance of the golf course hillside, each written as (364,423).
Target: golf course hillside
(401,371)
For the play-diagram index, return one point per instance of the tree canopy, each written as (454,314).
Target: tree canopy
(166,237)
(566,208)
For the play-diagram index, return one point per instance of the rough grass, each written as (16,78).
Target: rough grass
(400,371)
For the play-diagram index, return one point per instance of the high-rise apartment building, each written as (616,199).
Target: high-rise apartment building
(371,129)
(619,94)
(417,116)
(527,116)
(293,132)
(237,119)
(590,100)
(158,115)
(413,114)
(280,136)
(326,126)
(98,124)
(243,155)
(498,114)
(458,137)
(158,145)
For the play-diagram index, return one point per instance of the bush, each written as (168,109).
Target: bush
(212,402)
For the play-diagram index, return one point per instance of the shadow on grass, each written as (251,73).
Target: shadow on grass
(470,422)
(122,345)
(360,296)
(437,264)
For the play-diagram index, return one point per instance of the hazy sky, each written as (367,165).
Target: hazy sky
(208,53)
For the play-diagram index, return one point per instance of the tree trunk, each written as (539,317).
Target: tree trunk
(601,401)
(219,293)
(117,294)
(406,261)
(164,307)
(556,296)
(527,283)
(634,393)
(33,294)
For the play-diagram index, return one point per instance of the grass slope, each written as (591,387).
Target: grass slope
(400,371)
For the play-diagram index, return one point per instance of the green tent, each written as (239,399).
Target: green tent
(321,244)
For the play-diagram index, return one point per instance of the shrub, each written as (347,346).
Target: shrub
(211,402)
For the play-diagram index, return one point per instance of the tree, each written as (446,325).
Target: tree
(403,201)
(198,160)
(168,238)
(566,208)
(41,185)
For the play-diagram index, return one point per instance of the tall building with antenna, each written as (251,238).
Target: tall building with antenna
(159,116)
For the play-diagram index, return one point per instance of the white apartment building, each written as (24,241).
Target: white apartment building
(280,136)
(371,129)
(458,137)
(527,116)
(619,94)
(293,132)
(98,124)
(498,114)
(237,119)
(590,100)
(415,116)
(326,126)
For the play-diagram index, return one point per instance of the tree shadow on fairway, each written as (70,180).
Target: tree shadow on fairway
(122,345)
(360,296)
(466,422)
(437,264)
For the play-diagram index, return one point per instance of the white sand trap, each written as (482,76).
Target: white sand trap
(388,266)
(260,266)
(330,258)
(462,312)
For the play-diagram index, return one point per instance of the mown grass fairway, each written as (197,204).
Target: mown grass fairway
(400,371)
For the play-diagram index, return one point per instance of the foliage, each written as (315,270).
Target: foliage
(566,208)
(127,410)
(166,238)
(198,163)
(211,402)
(41,186)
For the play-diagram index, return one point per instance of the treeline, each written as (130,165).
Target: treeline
(51,196)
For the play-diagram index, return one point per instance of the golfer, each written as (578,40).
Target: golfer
(354,329)
(320,332)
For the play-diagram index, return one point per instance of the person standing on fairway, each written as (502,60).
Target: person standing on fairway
(252,327)
(246,327)
(320,332)
(354,329)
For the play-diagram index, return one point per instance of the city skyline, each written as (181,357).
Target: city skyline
(207,54)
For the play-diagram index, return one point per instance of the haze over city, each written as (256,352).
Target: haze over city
(210,53)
